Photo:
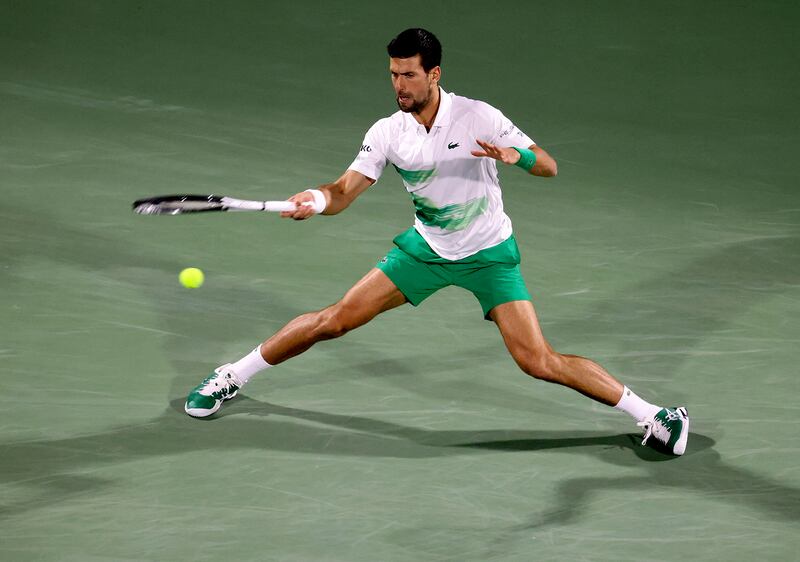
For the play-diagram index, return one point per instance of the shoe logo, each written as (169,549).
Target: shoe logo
(452,145)
(661,432)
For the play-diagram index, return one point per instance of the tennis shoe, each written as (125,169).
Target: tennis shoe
(667,430)
(207,397)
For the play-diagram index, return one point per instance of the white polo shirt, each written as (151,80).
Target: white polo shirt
(459,206)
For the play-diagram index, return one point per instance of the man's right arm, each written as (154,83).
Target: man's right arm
(338,195)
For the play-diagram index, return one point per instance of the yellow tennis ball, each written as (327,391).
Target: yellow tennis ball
(191,277)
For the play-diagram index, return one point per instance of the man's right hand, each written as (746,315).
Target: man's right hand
(301,211)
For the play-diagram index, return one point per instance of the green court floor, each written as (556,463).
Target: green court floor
(667,249)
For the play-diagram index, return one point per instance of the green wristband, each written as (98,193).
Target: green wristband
(527,158)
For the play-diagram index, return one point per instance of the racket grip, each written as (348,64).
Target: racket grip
(282,206)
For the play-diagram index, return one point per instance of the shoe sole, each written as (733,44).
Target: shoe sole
(203,413)
(680,445)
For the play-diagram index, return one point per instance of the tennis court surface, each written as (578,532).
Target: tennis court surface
(667,249)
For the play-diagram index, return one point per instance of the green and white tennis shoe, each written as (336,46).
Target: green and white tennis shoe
(667,430)
(207,397)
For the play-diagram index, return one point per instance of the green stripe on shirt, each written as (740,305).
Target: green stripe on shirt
(414,177)
(457,216)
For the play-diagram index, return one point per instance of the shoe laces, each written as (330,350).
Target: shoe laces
(220,382)
(654,427)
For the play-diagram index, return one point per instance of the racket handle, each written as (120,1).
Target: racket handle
(271,206)
(279,206)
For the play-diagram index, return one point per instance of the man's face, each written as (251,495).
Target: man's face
(413,86)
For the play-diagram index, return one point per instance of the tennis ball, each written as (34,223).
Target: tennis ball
(191,277)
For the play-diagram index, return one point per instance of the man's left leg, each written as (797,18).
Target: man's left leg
(523,337)
(667,428)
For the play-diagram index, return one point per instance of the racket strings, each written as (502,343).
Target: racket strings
(176,207)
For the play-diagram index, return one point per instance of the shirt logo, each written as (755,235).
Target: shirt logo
(366,148)
(452,145)
(508,131)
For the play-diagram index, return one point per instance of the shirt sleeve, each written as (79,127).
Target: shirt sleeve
(371,158)
(506,134)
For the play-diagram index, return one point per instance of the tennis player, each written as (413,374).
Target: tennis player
(446,149)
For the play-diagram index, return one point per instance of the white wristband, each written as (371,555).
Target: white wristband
(319,200)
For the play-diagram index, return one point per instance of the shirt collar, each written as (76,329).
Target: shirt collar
(445,104)
(443,115)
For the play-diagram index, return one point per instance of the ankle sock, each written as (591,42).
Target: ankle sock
(249,365)
(636,407)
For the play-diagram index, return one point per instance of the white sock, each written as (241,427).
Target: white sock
(249,365)
(635,406)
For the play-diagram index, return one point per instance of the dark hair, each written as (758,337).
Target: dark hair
(416,41)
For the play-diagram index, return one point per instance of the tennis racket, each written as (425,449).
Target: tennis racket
(184,204)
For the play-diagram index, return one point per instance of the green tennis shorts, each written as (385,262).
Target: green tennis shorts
(492,275)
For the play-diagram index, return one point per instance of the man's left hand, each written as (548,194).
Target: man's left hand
(504,155)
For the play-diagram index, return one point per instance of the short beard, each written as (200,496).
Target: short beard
(417,106)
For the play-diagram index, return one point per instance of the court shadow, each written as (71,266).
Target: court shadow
(617,442)
(700,470)
(50,488)
(51,466)
(476,440)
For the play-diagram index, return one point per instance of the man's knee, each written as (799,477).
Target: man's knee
(336,320)
(544,364)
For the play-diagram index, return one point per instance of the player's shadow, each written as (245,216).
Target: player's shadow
(54,468)
(700,470)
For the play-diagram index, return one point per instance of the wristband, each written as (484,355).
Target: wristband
(527,158)
(319,200)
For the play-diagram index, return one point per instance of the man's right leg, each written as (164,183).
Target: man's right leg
(373,294)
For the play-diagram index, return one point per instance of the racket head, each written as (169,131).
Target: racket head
(178,204)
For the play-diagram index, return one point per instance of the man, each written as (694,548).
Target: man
(445,148)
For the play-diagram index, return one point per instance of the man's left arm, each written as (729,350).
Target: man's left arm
(545,165)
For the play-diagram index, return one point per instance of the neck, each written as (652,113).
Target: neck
(428,114)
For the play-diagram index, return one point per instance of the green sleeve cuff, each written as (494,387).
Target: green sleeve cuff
(527,158)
